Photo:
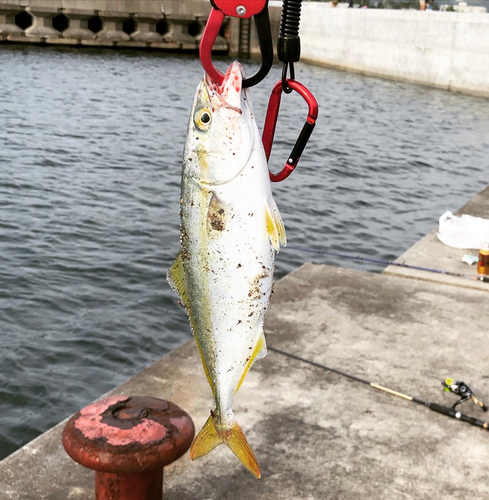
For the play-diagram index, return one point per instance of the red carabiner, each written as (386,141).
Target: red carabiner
(212,27)
(241,9)
(271,123)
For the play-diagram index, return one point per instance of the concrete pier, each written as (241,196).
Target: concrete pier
(317,435)
(431,252)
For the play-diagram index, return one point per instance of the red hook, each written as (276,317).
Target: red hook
(271,123)
(240,9)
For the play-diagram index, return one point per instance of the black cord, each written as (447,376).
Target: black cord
(289,43)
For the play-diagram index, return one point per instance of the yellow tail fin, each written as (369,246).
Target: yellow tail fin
(212,435)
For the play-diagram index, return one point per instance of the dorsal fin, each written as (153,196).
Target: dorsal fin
(178,281)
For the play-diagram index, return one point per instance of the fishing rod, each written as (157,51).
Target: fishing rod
(461,389)
(484,279)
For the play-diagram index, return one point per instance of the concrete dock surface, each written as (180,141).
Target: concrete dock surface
(431,252)
(316,434)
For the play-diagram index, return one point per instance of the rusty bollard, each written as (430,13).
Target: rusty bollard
(128,441)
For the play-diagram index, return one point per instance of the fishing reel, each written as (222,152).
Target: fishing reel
(464,391)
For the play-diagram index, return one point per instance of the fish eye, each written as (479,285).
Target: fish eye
(203,119)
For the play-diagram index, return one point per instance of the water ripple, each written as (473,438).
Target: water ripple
(89,201)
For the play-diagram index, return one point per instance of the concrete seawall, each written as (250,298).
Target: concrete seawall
(166,25)
(440,49)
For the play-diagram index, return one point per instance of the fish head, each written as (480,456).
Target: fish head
(220,136)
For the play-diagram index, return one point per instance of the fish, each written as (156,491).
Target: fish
(230,230)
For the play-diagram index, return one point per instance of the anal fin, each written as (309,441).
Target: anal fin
(259,352)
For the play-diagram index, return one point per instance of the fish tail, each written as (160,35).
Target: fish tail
(216,432)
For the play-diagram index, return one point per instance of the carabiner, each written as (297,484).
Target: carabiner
(241,9)
(271,123)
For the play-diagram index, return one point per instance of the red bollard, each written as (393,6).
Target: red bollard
(128,441)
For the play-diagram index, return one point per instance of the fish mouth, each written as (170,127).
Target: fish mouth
(229,93)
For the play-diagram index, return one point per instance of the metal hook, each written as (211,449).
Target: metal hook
(285,67)
(241,9)
(271,123)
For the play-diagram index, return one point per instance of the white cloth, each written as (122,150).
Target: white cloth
(463,232)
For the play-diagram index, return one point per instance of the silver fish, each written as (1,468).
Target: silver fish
(230,231)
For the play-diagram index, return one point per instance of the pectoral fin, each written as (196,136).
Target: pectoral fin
(275,226)
(216,216)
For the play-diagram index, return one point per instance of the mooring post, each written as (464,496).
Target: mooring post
(128,441)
